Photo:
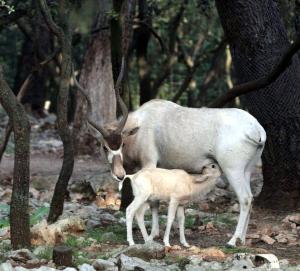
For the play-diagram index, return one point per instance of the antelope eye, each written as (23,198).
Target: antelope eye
(213,166)
(105,148)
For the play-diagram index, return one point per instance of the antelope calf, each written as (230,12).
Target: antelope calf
(175,186)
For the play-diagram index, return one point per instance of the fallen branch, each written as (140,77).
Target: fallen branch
(260,83)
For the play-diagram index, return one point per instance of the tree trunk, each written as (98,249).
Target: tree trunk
(97,78)
(116,49)
(19,214)
(37,45)
(142,37)
(257,40)
(64,34)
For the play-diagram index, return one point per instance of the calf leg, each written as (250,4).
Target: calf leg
(130,212)
(150,161)
(139,215)
(171,215)
(155,222)
(181,219)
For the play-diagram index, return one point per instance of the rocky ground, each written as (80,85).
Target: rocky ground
(94,228)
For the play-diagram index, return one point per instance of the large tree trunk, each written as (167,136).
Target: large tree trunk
(257,39)
(19,214)
(97,78)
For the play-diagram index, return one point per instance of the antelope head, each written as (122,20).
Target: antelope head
(112,139)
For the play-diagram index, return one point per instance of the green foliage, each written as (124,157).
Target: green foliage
(189,221)
(233,250)
(100,234)
(221,220)
(38,215)
(46,253)
(35,217)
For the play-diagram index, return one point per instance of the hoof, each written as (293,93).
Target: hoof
(228,245)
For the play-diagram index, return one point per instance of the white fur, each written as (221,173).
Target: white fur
(172,136)
(175,186)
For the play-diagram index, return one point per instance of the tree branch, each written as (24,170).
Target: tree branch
(260,83)
(57,31)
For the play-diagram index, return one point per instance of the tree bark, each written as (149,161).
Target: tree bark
(116,49)
(142,37)
(97,79)
(19,214)
(258,39)
(64,34)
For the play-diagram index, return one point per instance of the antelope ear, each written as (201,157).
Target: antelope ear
(130,132)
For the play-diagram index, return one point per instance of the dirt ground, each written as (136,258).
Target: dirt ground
(44,165)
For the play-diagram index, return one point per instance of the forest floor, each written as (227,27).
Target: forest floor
(99,230)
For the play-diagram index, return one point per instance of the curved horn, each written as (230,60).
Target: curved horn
(119,99)
(89,109)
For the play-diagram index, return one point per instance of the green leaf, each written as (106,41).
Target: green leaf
(38,215)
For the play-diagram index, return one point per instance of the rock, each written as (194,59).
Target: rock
(194,249)
(293,219)
(86,267)
(176,247)
(281,238)
(40,250)
(267,239)
(21,255)
(252,236)
(46,268)
(241,264)
(4,232)
(6,267)
(20,268)
(93,223)
(147,251)
(195,260)
(213,254)
(234,208)
(54,233)
(208,266)
(107,218)
(107,265)
(70,269)
(132,263)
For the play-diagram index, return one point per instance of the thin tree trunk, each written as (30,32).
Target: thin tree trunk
(258,46)
(116,48)
(19,214)
(64,35)
(97,79)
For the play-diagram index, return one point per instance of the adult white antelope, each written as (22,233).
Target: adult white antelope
(163,134)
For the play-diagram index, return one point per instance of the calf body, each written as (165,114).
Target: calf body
(175,186)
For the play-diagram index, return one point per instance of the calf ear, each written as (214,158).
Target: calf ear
(130,132)
(201,178)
